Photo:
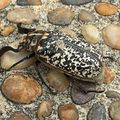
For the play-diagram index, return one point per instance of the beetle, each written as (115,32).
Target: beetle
(72,56)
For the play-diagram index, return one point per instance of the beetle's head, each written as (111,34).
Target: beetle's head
(30,41)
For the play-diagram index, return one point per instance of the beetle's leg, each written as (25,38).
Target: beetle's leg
(7,48)
(42,80)
(86,89)
(23,30)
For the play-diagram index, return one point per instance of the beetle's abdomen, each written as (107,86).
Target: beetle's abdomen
(74,57)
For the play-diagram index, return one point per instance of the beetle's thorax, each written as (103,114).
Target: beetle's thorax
(30,42)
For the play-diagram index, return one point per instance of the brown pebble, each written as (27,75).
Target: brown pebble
(109,75)
(4,3)
(21,89)
(106,9)
(45,109)
(19,116)
(6,30)
(68,112)
(57,80)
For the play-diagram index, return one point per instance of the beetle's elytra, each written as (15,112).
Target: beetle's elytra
(74,57)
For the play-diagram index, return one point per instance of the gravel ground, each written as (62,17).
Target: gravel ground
(7,107)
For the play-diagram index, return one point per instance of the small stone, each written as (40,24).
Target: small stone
(21,89)
(45,109)
(60,16)
(75,2)
(4,3)
(90,33)
(68,112)
(19,116)
(112,94)
(68,32)
(114,110)
(28,2)
(57,80)
(80,94)
(6,30)
(111,35)
(86,16)
(109,75)
(9,58)
(97,112)
(106,9)
(22,15)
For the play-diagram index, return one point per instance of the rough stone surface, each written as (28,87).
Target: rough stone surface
(114,110)
(60,16)
(75,2)
(22,15)
(97,112)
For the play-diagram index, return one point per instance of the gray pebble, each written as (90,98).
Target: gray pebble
(60,16)
(75,2)
(28,2)
(97,112)
(86,16)
(112,94)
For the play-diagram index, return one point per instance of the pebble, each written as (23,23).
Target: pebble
(60,16)
(106,9)
(75,2)
(97,112)
(22,15)
(4,3)
(112,94)
(78,94)
(19,116)
(20,88)
(86,16)
(45,109)
(111,35)
(6,30)
(10,58)
(90,33)
(68,112)
(28,2)
(114,110)
(109,75)
(57,80)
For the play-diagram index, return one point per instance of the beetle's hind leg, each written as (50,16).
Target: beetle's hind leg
(42,79)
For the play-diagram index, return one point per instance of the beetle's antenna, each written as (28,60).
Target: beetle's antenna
(25,58)
(23,30)
(7,48)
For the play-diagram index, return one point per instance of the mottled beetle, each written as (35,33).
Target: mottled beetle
(74,57)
